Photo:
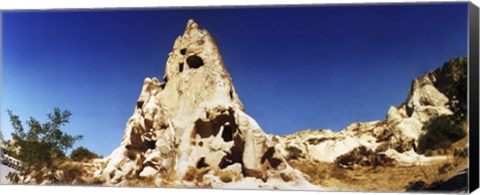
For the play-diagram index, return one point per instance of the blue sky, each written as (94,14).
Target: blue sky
(293,68)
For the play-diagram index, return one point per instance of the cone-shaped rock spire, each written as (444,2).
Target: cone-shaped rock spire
(192,127)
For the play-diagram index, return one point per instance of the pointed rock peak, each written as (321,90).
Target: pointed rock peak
(194,125)
(192,24)
(195,49)
(196,67)
(192,30)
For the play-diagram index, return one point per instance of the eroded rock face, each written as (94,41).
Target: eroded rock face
(191,130)
(395,137)
(192,125)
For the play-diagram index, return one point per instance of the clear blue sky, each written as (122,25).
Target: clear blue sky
(293,68)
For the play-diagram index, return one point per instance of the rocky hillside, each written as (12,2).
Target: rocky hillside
(396,138)
(420,145)
(190,130)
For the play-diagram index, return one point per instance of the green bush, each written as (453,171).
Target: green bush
(453,82)
(41,144)
(441,132)
(82,154)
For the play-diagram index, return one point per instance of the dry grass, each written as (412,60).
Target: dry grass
(380,178)
(73,173)
(195,174)
(141,182)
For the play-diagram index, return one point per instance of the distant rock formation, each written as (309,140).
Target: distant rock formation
(395,137)
(193,128)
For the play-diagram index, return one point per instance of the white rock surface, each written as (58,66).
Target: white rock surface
(194,120)
(191,128)
(400,130)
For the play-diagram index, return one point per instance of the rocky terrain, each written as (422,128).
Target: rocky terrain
(394,138)
(189,129)
(385,150)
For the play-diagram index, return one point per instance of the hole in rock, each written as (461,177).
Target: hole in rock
(201,163)
(227,134)
(150,144)
(131,154)
(194,61)
(205,129)
(268,154)
(237,149)
(236,153)
(148,124)
(183,51)
(200,143)
(149,164)
(139,104)
(180,66)
(231,94)
(409,111)
(225,161)
(275,162)
(211,127)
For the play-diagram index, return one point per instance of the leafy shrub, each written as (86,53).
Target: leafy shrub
(441,132)
(82,154)
(454,85)
(41,144)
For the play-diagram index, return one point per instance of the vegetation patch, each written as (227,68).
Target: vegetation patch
(440,133)
(42,144)
(294,153)
(362,156)
(82,154)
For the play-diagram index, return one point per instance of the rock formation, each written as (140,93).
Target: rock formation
(192,127)
(190,130)
(395,137)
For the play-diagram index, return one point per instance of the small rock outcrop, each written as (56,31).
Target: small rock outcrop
(191,129)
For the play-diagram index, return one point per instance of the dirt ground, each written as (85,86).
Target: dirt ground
(380,178)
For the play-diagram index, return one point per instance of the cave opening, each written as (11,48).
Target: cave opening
(180,66)
(183,51)
(194,61)
(227,133)
(201,163)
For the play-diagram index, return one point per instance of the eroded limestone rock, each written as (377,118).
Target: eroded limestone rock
(192,125)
